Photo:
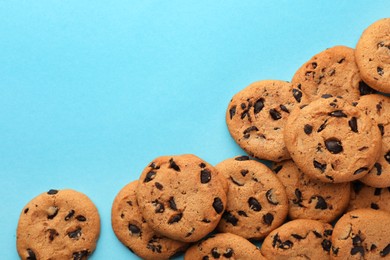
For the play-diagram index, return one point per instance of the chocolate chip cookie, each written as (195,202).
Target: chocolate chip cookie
(223,246)
(133,231)
(373,55)
(256,202)
(309,198)
(361,234)
(299,239)
(256,117)
(58,224)
(332,141)
(332,71)
(378,108)
(181,197)
(363,196)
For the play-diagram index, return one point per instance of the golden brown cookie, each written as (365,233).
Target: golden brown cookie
(58,224)
(363,196)
(181,197)
(373,55)
(256,117)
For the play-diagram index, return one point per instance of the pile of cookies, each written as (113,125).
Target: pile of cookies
(326,138)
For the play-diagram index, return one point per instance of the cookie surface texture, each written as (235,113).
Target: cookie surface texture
(256,202)
(299,239)
(332,71)
(378,108)
(363,196)
(309,198)
(58,224)
(373,55)
(257,115)
(332,141)
(360,234)
(133,231)
(223,246)
(181,197)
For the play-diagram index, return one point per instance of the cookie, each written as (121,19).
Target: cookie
(373,55)
(309,198)
(181,197)
(361,234)
(256,202)
(256,117)
(299,239)
(332,141)
(58,224)
(133,231)
(332,71)
(223,246)
(378,108)
(363,196)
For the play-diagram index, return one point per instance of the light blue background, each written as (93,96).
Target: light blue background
(91,92)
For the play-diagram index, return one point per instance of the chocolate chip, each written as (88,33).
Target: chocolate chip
(373,247)
(134,230)
(52,212)
(269,195)
(150,176)
(385,251)
(80,255)
(205,220)
(244,172)
(159,207)
(297,95)
(296,236)
(333,145)
(326,96)
(320,166)
(378,168)
(357,249)
(353,124)
(338,113)
(218,205)
(332,72)
(341,60)
(378,107)
(275,114)
(75,234)
(52,192)
(190,233)
(387,156)
(381,129)
(298,195)
(215,253)
(236,182)
(202,165)
(328,232)
(52,234)
(276,240)
(232,111)
(175,218)
(26,210)
(154,166)
(374,206)
(154,245)
(259,105)
(321,203)
(242,158)
(159,186)
(254,204)
(380,71)
(228,253)
(314,65)
(81,218)
(230,218)
(268,219)
(172,203)
(335,250)
(173,165)
(307,129)
(205,257)
(205,176)
(322,126)
(69,215)
(31,255)
(286,244)
(317,234)
(277,168)
(284,108)
(242,213)
(326,245)
(360,170)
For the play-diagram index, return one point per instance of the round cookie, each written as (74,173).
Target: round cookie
(309,198)
(298,239)
(256,202)
(58,224)
(223,246)
(332,141)
(373,55)
(133,231)
(256,117)
(181,197)
(332,71)
(378,108)
(362,234)
(363,196)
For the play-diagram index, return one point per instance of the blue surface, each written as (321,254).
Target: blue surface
(90,93)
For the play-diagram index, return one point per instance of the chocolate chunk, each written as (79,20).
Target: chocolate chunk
(31,255)
(357,249)
(228,253)
(254,204)
(242,158)
(215,253)
(276,240)
(374,206)
(380,71)
(284,108)
(360,170)
(150,176)
(381,129)
(69,215)
(275,114)
(385,251)
(242,213)
(230,218)
(268,219)
(232,111)
(52,212)
(259,105)
(134,230)
(175,218)
(159,185)
(387,156)
(297,95)
(269,195)
(81,218)
(236,182)
(338,113)
(173,165)
(277,168)
(307,129)
(80,255)
(218,205)
(52,192)
(333,145)
(353,124)
(75,234)
(298,195)
(296,236)
(172,203)
(159,207)
(378,168)
(326,245)
(320,166)
(322,126)
(52,234)
(321,203)
(205,176)
(286,244)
